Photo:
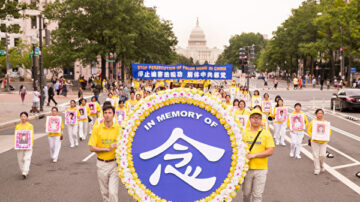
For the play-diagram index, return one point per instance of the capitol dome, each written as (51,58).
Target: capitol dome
(197,36)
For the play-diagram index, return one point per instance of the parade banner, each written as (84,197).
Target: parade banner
(176,72)
(82,112)
(70,117)
(53,124)
(297,122)
(23,139)
(92,107)
(280,114)
(321,131)
(266,106)
(180,145)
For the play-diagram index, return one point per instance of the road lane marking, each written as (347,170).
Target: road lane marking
(330,169)
(341,116)
(88,157)
(346,165)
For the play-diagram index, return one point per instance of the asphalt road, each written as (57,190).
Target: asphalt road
(72,179)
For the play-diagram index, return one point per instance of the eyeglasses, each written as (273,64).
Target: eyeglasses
(256,118)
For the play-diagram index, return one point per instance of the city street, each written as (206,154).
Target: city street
(73,177)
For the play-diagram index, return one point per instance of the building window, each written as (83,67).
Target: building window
(16,41)
(33,22)
(3,40)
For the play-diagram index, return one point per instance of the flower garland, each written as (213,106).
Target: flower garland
(210,103)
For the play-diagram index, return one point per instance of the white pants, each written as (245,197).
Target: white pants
(83,129)
(24,160)
(254,185)
(280,130)
(319,154)
(296,140)
(108,180)
(91,123)
(55,145)
(73,134)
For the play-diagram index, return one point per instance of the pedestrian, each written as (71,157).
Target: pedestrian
(80,93)
(321,83)
(24,155)
(96,92)
(94,116)
(297,134)
(318,147)
(36,101)
(51,95)
(314,82)
(261,146)
(57,87)
(280,126)
(73,128)
(288,82)
(296,83)
(22,92)
(275,83)
(55,138)
(103,141)
(84,111)
(300,82)
(328,84)
(64,88)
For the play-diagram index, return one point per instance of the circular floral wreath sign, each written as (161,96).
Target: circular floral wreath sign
(181,145)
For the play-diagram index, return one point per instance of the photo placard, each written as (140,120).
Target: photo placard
(281,114)
(23,139)
(53,124)
(70,117)
(321,131)
(297,122)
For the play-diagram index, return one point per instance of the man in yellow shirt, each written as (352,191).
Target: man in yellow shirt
(261,146)
(24,155)
(103,141)
(131,103)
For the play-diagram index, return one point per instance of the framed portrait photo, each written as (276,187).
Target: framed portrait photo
(266,106)
(242,119)
(82,112)
(280,114)
(297,122)
(53,124)
(120,115)
(92,107)
(70,117)
(23,139)
(321,131)
(256,101)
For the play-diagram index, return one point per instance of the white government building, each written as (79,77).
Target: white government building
(197,49)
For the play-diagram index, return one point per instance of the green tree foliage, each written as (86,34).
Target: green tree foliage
(230,55)
(123,28)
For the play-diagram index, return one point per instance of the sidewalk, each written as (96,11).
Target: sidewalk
(11,106)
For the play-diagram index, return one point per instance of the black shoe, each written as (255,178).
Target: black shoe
(24,176)
(357,174)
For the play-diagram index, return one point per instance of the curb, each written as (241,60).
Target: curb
(37,116)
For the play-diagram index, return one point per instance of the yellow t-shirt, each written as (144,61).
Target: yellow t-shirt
(294,112)
(309,131)
(264,141)
(57,134)
(87,112)
(136,85)
(27,126)
(98,109)
(130,105)
(103,137)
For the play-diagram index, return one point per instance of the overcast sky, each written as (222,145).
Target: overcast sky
(220,19)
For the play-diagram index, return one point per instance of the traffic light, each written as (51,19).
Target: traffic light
(242,56)
(7,40)
(252,53)
(341,51)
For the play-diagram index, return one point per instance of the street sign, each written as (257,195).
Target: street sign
(353,70)
(110,60)
(37,52)
(2,52)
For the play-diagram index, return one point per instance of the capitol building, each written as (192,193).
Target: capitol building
(197,49)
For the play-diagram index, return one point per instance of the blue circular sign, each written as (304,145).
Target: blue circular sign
(181,153)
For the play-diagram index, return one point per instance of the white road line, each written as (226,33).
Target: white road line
(330,169)
(88,157)
(339,130)
(346,165)
(345,155)
(341,117)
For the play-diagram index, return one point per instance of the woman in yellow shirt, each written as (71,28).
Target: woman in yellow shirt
(131,103)
(264,102)
(84,120)
(73,128)
(121,108)
(280,126)
(24,155)
(255,100)
(94,116)
(246,97)
(55,138)
(318,147)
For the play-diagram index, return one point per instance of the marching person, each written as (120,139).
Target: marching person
(261,146)
(55,138)
(297,134)
(22,93)
(255,99)
(103,141)
(84,120)
(94,116)
(318,147)
(73,128)
(36,101)
(131,103)
(280,126)
(266,105)
(24,156)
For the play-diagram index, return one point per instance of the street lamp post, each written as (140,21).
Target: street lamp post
(34,69)
(41,82)
(7,41)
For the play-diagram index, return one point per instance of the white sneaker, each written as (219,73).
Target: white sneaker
(77,144)
(54,160)
(316,172)
(72,146)
(283,144)
(291,154)
(277,143)
(298,157)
